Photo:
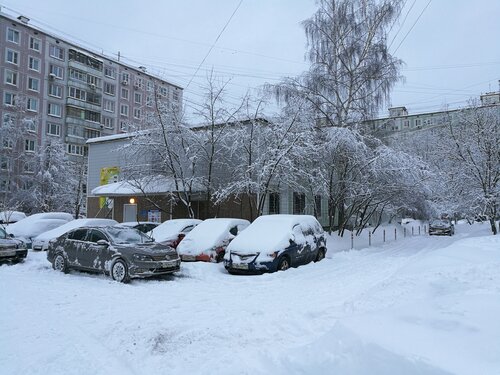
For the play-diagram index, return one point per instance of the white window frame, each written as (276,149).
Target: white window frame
(50,93)
(56,69)
(124,90)
(108,105)
(29,145)
(56,113)
(109,86)
(34,41)
(12,102)
(32,61)
(124,110)
(137,113)
(14,32)
(13,77)
(32,104)
(52,52)
(137,95)
(53,126)
(29,84)
(15,56)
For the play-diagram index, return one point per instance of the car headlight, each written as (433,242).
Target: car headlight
(142,257)
(273,255)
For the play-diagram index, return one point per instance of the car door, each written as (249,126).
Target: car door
(297,247)
(73,245)
(96,254)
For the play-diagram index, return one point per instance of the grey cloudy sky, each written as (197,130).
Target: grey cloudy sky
(452,52)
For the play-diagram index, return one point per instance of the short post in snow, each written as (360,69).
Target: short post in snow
(395,235)
(384,235)
(419,230)
(369,238)
(352,240)
(404,232)
(412,231)
(425,228)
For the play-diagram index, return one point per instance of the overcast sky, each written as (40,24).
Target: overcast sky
(451,53)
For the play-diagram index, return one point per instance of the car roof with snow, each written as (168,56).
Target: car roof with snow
(171,228)
(273,232)
(134,223)
(210,233)
(78,223)
(34,228)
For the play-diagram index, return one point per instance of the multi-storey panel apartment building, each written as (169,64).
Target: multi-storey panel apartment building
(52,88)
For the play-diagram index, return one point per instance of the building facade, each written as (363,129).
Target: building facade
(54,89)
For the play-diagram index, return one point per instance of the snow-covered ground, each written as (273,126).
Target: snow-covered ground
(419,305)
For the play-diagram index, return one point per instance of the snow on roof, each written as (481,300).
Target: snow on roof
(156,185)
(170,229)
(78,223)
(208,234)
(109,138)
(271,233)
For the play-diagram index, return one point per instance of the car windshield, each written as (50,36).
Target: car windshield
(3,234)
(440,222)
(127,236)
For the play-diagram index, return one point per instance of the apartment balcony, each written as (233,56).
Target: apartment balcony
(83,123)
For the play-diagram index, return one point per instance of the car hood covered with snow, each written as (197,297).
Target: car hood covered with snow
(170,229)
(209,234)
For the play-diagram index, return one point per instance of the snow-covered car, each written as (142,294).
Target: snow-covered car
(207,242)
(441,227)
(276,242)
(41,242)
(27,229)
(10,217)
(143,226)
(11,249)
(171,232)
(118,251)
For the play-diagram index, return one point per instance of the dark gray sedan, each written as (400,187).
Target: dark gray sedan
(121,252)
(11,249)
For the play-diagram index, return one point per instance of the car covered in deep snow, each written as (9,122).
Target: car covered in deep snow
(11,249)
(121,252)
(171,232)
(276,242)
(41,242)
(207,242)
(143,226)
(441,227)
(11,217)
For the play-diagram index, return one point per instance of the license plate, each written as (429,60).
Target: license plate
(168,264)
(188,257)
(8,253)
(240,266)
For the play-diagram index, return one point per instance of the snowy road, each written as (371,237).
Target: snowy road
(422,305)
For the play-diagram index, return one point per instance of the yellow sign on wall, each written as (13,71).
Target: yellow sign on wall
(108,176)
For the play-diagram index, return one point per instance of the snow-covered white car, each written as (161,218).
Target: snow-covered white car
(207,242)
(10,217)
(276,242)
(143,226)
(171,232)
(11,249)
(441,227)
(41,242)
(34,225)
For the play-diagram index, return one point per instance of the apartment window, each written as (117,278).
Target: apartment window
(149,101)
(137,113)
(35,43)
(406,123)
(8,143)
(34,63)
(9,98)
(91,133)
(139,83)
(299,203)
(29,145)
(76,150)
(29,167)
(4,186)
(53,129)
(418,122)
(274,203)
(27,185)
(124,110)
(9,119)
(110,72)
(108,122)
(175,96)
(138,98)
(93,80)
(93,116)
(56,52)
(78,75)
(5,163)
(12,56)
(163,91)
(77,93)
(108,105)
(149,86)
(33,84)
(93,98)
(317,203)
(32,104)
(109,88)
(13,35)
(123,126)
(10,77)
(57,71)
(125,78)
(55,90)
(54,110)
(124,93)
(30,125)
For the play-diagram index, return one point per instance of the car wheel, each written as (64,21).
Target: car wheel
(321,255)
(283,264)
(60,264)
(119,271)
(219,257)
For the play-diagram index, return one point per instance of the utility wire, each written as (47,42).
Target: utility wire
(412,26)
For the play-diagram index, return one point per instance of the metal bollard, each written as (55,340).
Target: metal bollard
(352,240)
(369,238)
(419,230)
(412,231)
(404,232)
(395,235)
(384,235)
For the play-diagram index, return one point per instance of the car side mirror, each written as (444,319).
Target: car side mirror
(103,243)
(181,236)
(11,235)
(292,239)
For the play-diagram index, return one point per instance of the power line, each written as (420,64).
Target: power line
(412,26)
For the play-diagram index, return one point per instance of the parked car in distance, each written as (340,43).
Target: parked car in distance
(10,217)
(171,232)
(441,227)
(276,242)
(33,225)
(207,242)
(118,251)
(11,249)
(143,226)
(41,242)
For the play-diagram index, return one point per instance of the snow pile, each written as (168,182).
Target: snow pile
(209,234)
(170,229)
